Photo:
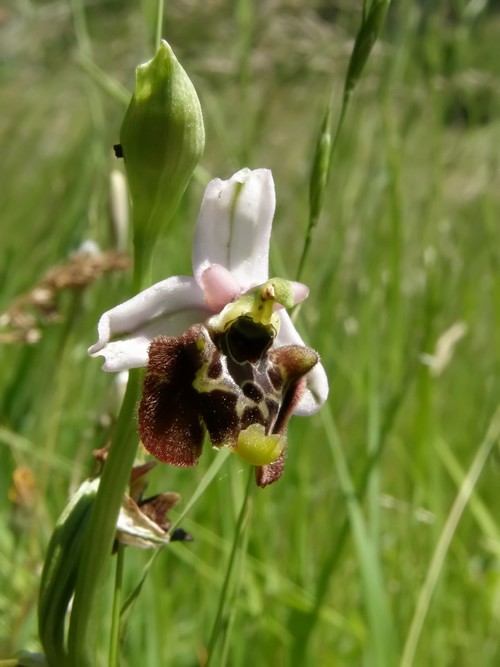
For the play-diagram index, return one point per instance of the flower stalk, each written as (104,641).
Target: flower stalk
(114,643)
(100,532)
(238,535)
(162,139)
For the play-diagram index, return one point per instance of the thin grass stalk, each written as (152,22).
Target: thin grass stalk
(396,214)
(207,478)
(244,19)
(160,11)
(226,645)
(113,88)
(373,439)
(320,172)
(371,25)
(329,567)
(478,509)
(443,545)
(80,27)
(238,534)
(383,639)
(85,51)
(200,489)
(114,642)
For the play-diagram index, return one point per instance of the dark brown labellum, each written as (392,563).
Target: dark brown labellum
(222,383)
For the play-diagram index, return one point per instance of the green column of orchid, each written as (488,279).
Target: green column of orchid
(162,138)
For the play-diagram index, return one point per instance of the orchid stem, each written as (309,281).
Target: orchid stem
(117,601)
(101,529)
(142,263)
(100,532)
(238,534)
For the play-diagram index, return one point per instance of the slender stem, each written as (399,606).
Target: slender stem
(449,529)
(373,439)
(80,27)
(329,566)
(117,601)
(238,533)
(314,216)
(101,528)
(159,23)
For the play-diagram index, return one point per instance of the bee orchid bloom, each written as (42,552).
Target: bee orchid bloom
(221,351)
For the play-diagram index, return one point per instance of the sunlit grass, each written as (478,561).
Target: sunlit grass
(405,247)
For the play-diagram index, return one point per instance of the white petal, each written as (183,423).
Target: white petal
(131,351)
(136,529)
(150,313)
(167,296)
(316,391)
(234,227)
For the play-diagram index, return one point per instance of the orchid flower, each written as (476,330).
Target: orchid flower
(221,341)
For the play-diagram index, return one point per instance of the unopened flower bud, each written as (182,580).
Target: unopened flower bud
(162,139)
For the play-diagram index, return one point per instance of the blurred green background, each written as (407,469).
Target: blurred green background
(406,250)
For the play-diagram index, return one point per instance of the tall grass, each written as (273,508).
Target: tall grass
(380,545)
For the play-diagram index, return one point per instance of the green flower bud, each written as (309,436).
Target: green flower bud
(162,139)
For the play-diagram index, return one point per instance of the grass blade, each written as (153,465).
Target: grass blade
(438,558)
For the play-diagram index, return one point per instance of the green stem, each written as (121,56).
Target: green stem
(238,533)
(437,562)
(101,529)
(329,567)
(372,21)
(314,215)
(117,601)
(159,23)
(143,251)
(100,532)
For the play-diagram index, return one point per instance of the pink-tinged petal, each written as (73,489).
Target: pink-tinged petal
(300,292)
(316,389)
(234,227)
(219,286)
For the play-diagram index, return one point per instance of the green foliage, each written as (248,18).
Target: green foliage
(60,570)
(373,541)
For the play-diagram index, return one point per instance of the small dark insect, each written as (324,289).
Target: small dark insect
(180,535)
(118,150)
